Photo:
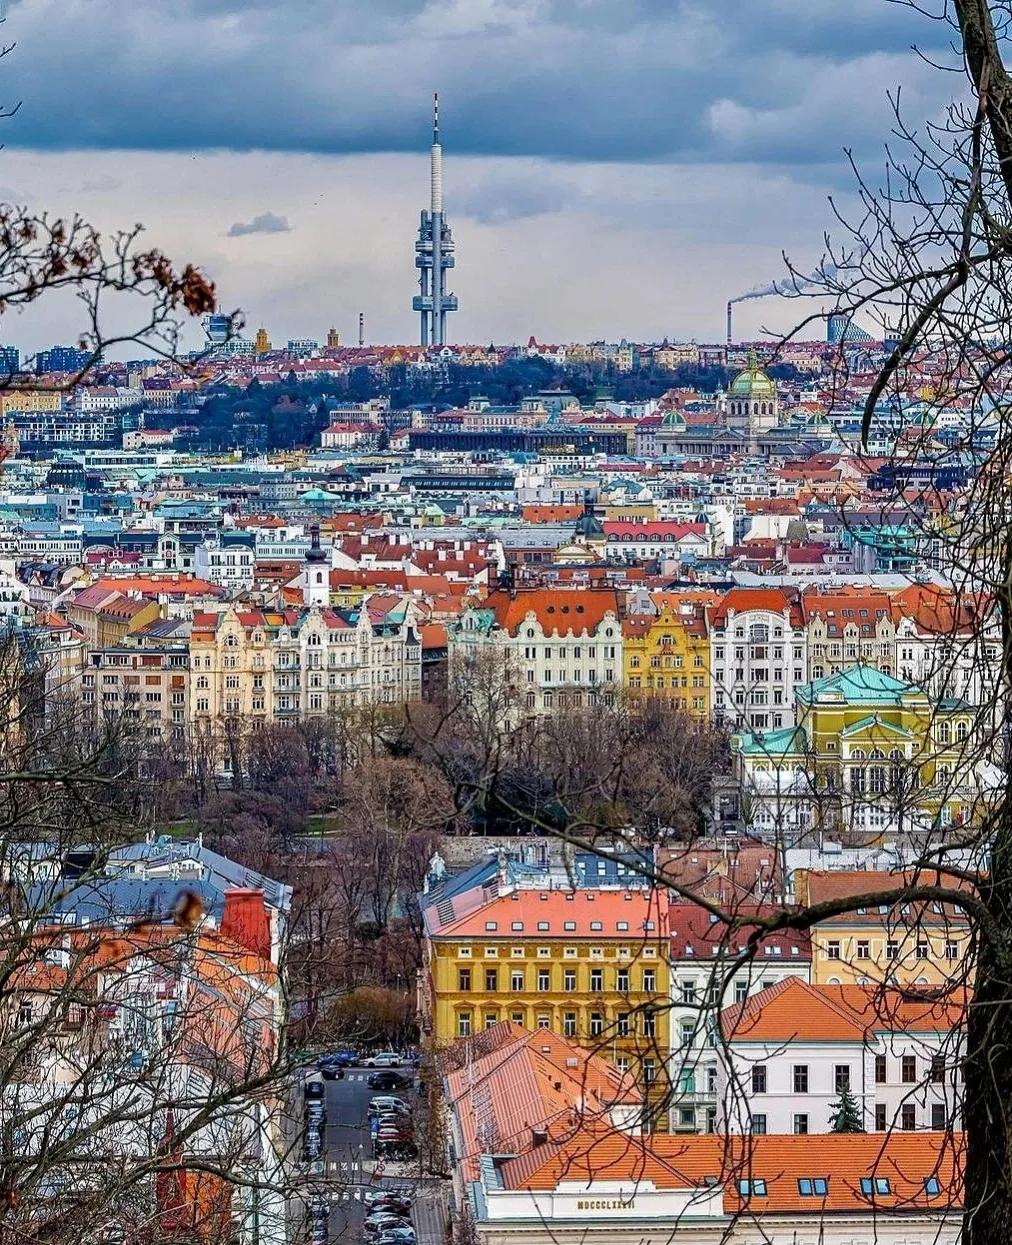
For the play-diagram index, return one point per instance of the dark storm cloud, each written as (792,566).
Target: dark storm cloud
(756,81)
(266,222)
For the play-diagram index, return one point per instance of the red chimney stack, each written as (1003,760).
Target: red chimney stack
(246,921)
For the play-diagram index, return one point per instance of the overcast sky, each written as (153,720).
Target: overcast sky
(612,167)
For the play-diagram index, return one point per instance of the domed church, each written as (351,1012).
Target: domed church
(752,404)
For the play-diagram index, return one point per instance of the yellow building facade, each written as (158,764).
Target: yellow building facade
(869,754)
(23,400)
(587,964)
(910,944)
(667,655)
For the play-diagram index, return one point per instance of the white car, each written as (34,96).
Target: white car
(382,1059)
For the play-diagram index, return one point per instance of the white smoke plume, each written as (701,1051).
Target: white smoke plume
(789,285)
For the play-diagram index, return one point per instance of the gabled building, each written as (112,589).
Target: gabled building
(559,646)
(758,657)
(792,1050)
(869,753)
(849,627)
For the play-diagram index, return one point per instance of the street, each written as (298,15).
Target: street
(350,1168)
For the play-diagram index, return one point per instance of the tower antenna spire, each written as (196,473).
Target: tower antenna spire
(434,250)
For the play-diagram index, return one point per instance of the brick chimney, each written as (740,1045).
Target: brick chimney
(246,921)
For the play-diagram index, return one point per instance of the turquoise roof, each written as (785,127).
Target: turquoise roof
(857,685)
(874,720)
(788,741)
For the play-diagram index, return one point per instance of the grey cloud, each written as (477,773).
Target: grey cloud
(266,222)
(758,81)
(500,198)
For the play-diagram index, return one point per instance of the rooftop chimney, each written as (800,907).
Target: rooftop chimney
(245,920)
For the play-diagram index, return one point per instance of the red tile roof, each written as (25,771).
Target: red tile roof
(563,611)
(773,600)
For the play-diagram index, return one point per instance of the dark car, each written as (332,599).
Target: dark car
(338,1059)
(392,1204)
(397,1149)
(387,1079)
(332,1066)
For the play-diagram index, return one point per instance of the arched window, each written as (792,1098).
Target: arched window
(961,732)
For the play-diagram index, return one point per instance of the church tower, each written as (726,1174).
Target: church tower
(316,572)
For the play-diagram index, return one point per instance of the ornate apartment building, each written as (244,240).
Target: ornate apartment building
(261,665)
(564,647)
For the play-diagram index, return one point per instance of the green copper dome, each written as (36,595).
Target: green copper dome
(753,381)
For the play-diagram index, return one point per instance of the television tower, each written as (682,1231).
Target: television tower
(434,252)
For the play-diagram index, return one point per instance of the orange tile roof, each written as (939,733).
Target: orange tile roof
(557,610)
(794,1010)
(433,635)
(670,1161)
(813,886)
(544,513)
(775,600)
(509,1081)
(557,908)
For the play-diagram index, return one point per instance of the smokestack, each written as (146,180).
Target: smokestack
(729,306)
(361,326)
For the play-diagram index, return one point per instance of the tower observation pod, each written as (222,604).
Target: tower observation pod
(434,252)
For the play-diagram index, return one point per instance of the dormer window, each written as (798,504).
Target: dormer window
(752,1188)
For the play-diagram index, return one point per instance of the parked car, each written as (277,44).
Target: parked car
(392,1203)
(332,1066)
(397,1149)
(397,1236)
(388,1197)
(388,1080)
(343,1058)
(375,1224)
(383,1059)
(384,1103)
(314,1087)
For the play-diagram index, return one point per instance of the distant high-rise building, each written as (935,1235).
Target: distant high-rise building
(333,340)
(61,359)
(841,328)
(10,360)
(218,329)
(261,343)
(434,252)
